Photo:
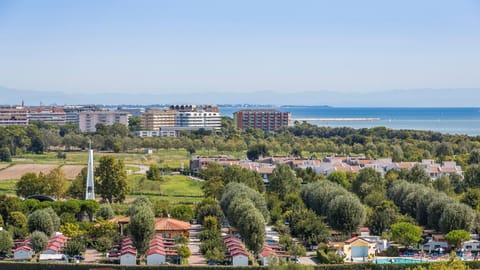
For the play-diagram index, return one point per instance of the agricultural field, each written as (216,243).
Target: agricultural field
(16,171)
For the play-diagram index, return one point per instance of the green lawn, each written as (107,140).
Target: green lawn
(174,188)
(7,186)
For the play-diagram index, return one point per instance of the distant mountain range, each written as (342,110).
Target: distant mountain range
(391,98)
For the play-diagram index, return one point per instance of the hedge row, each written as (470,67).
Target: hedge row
(57,266)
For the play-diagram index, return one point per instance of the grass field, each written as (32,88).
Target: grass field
(174,188)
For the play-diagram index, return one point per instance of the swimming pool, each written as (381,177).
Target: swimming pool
(397,260)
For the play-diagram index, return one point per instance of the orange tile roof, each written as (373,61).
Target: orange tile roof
(170,224)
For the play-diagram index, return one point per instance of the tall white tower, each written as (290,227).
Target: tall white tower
(90,191)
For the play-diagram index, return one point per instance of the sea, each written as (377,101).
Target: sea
(464,121)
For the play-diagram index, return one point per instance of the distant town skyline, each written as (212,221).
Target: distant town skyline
(286,47)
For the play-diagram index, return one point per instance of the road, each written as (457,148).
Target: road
(194,245)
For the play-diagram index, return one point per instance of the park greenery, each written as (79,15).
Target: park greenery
(298,202)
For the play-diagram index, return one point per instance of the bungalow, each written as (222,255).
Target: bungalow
(267,256)
(239,258)
(472,245)
(359,247)
(172,228)
(53,248)
(53,258)
(128,256)
(156,255)
(23,253)
(166,227)
(434,245)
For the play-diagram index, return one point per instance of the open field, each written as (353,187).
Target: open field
(174,188)
(16,171)
(71,171)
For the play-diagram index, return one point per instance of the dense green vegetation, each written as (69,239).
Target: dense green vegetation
(298,203)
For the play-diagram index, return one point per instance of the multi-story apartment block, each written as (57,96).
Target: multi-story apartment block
(182,118)
(153,119)
(87,120)
(199,119)
(269,120)
(13,116)
(52,115)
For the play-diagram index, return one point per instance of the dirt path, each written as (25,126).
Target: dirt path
(92,256)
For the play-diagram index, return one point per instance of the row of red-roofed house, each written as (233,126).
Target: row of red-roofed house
(235,251)
(128,253)
(159,249)
(23,249)
(271,254)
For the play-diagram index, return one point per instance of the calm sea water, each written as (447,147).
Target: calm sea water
(445,120)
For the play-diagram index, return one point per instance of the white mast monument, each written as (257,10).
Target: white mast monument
(90,191)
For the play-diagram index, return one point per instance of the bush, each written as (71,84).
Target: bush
(392,251)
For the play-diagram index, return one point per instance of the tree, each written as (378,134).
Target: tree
(78,185)
(417,174)
(154,173)
(71,230)
(105,212)
(456,216)
(209,207)
(283,181)
(56,183)
(135,123)
(474,157)
(444,150)
(345,213)
(5,155)
(456,237)
(443,184)
(406,233)
(339,178)
(184,253)
(17,224)
(397,154)
(112,179)
(31,184)
(383,217)
(472,198)
(182,212)
(39,240)
(41,220)
(238,174)
(74,247)
(472,176)
(257,150)
(367,181)
(6,242)
(142,228)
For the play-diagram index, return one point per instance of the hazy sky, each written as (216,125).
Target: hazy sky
(191,46)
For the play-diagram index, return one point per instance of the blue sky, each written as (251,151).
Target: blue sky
(235,46)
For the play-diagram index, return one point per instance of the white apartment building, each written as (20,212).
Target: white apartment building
(48,115)
(89,119)
(154,119)
(199,119)
(13,116)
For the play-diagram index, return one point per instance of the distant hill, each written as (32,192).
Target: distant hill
(391,98)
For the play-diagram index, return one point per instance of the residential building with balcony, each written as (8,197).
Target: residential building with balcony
(53,115)
(268,120)
(87,120)
(13,116)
